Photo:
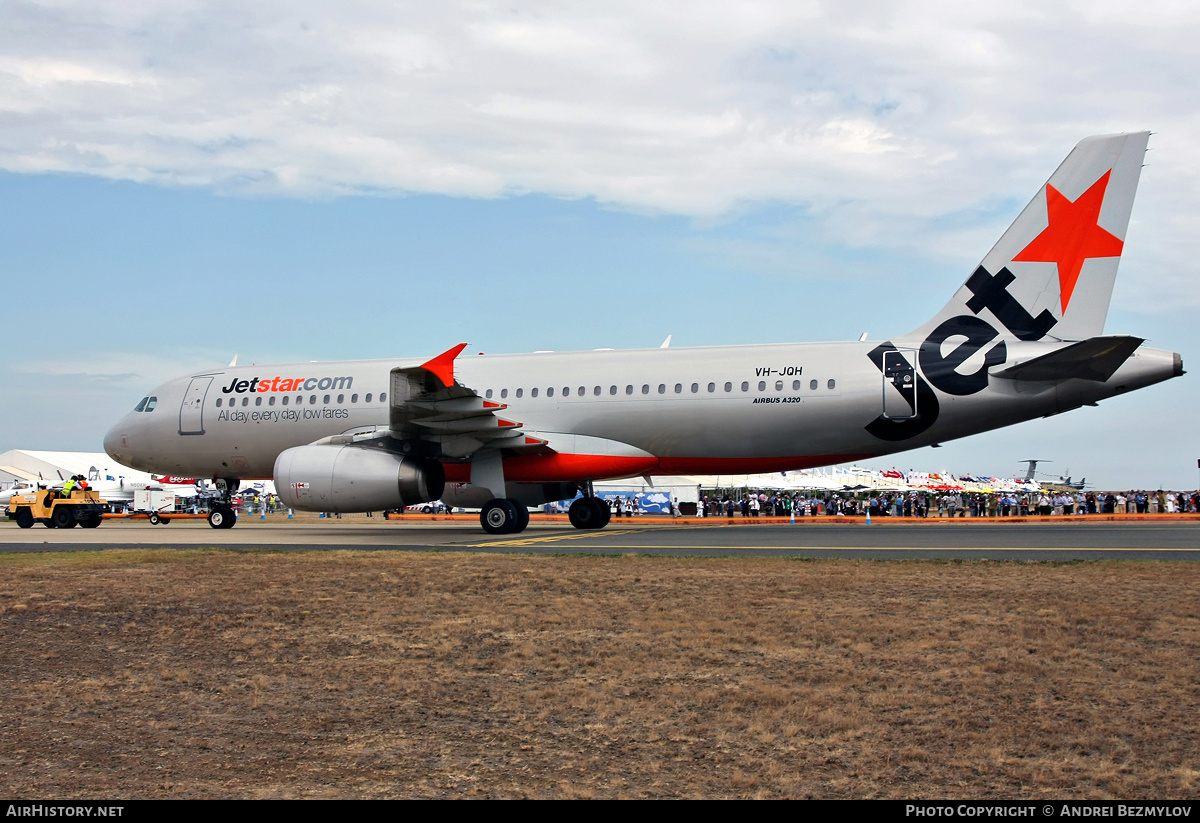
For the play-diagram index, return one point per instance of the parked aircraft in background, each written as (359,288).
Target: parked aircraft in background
(18,487)
(1022,338)
(116,490)
(1031,470)
(1063,480)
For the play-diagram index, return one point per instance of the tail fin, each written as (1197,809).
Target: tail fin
(1051,274)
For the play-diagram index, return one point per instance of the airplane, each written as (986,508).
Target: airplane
(18,488)
(1063,480)
(1032,469)
(1022,338)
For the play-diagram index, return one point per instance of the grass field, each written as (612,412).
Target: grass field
(131,674)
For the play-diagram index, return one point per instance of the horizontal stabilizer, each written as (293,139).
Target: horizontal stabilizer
(1096,358)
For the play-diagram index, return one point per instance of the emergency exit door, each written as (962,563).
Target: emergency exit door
(191,413)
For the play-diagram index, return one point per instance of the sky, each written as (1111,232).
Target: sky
(185,181)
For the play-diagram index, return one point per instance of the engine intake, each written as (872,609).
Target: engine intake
(329,478)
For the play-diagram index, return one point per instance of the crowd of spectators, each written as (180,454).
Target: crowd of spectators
(945,504)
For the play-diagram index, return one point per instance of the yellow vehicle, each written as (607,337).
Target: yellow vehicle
(54,510)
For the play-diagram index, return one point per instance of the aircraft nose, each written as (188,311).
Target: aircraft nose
(116,442)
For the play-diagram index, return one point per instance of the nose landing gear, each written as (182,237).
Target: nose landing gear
(221,514)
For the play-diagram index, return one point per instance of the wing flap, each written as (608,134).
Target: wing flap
(428,403)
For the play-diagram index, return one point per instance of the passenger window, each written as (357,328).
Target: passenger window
(368,397)
(566,391)
(728,387)
(151,403)
(326,400)
(831,383)
(695,388)
(596,391)
(341,399)
(520,392)
(778,385)
(382,396)
(812,384)
(762,385)
(271,400)
(284,401)
(795,385)
(142,405)
(678,388)
(312,400)
(218,404)
(533,392)
(662,388)
(354,398)
(581,391)
(299,400)
(550,392)
(645,388)
(245,401)
(745,385)
(487,394)
(612,390)
(503,393)
(712,387)
(258,400)
(629,389)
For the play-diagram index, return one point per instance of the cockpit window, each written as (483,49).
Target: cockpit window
(142,405)
(151,403)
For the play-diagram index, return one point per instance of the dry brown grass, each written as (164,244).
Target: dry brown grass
(341,674)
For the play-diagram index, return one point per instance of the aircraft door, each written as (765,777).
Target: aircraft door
(900,384)
(191,413)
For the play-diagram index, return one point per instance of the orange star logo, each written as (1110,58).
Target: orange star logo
(1072,236)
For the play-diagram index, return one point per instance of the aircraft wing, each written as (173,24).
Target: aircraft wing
(1096,358)
(428,403)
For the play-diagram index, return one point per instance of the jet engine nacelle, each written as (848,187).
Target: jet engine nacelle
(330,478)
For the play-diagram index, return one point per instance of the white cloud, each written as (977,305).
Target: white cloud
(868,115)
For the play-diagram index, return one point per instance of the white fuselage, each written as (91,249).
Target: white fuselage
(722,410)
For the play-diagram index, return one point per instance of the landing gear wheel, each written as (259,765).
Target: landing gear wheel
(221,518)
(155,519)
(24,519)
(605,513)
(499,516)
(585,513)
(63,518)
(522,517)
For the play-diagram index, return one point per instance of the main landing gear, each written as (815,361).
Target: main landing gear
(504,516)
(589,513)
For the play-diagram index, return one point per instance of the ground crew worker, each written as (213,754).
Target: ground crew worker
(68,486)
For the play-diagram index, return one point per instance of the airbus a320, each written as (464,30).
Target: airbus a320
(1022,338)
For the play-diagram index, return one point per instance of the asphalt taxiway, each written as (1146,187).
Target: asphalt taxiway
(1151,539)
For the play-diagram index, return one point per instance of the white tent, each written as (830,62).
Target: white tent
(55,467)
